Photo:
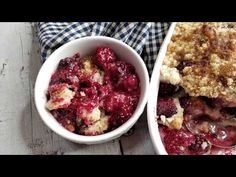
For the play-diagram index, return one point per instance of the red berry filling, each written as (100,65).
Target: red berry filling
(118,69)
(176,142)
(104,55)
(128,83)
(166,89)
(111,85)
(184,142)
(67,71)
(209,124)
(166,107)
(224,137)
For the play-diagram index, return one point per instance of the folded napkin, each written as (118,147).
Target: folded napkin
(144,37)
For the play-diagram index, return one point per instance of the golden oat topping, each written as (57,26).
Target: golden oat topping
(205,56)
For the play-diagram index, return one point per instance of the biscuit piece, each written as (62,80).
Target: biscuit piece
(60,96)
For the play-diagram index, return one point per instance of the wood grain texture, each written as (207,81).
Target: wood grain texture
(21,129)
(14,88)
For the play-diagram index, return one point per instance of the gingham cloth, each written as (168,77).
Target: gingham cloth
(144,37)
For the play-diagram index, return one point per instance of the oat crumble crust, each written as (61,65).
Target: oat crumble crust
(208,50)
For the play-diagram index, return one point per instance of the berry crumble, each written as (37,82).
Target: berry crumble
(94,94)
(196,106)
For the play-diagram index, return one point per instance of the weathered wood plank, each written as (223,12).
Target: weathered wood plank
(14,89)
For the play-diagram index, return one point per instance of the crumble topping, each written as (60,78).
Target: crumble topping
(170,75)
(87,65)
(97,128)
(90,117)
(201,58)
(60,96)
(89,68)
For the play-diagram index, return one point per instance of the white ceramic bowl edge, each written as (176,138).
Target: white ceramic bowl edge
(86,46)
(152,101)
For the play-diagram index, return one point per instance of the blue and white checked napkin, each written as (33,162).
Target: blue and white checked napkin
(144,37)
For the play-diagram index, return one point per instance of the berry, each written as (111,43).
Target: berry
(90,92)
(115,120)
(104,55)
(114,101)
(66,72)
(68,63)
(166,89)
(166,106)
(199,146)
(104,90)
(177,141)
(128,83)
(118,69)
(184,101)
(120,106)
(64,63)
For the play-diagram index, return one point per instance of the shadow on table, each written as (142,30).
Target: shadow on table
(139,142)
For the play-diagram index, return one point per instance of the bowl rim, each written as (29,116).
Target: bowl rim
(154,88)
(109,135)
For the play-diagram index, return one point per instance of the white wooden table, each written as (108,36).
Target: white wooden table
(21,129)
